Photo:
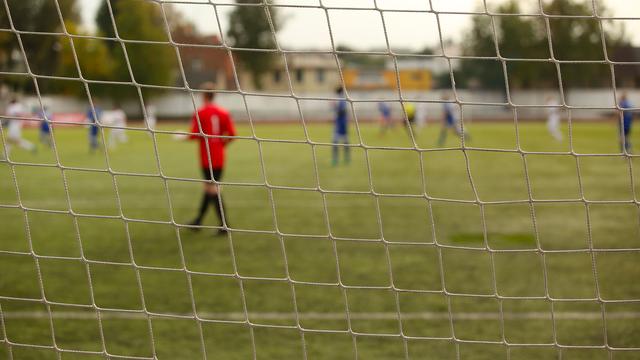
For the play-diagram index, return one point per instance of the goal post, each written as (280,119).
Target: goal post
(371,179)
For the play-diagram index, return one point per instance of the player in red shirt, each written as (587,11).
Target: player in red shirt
(211,126)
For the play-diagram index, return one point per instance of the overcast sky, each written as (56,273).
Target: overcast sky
(306,28)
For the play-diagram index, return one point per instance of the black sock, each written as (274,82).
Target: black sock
(218,206)
(203,208)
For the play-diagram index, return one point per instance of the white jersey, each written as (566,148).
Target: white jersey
(114,118)
(421,114)
(118,119)
(552,110)
(553,119)
(14,127)
(15,110)
(151,116)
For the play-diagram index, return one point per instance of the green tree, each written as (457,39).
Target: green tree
(250,29)
(577,38)
(93,59)
(104,22)
(151,64)
(42,50)
(480,42)
(523,38)
(520,37)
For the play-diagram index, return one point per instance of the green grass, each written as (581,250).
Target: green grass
(324,249)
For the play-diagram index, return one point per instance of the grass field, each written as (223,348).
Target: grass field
(472,270)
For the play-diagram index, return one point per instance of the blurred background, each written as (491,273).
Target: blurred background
(409,50)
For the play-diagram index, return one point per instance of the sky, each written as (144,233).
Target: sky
(362,28)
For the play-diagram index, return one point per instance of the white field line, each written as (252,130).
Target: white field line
(239,316)
(99,203)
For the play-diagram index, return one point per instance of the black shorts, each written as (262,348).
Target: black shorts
(217,174)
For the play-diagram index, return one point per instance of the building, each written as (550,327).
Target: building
(412,73)
(306,72)
(319,73)
(203,63)
(301,73)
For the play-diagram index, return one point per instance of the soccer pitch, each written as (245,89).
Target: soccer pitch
(560,280)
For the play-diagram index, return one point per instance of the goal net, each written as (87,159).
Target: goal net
(417,179)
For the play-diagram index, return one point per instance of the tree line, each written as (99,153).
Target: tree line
(527,42)
(59,60)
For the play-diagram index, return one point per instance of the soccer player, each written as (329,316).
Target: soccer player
(151,116)
(449,121)
(627,120)
(340,131)
(118,119)
(410,110)
(421,115)
(16,110)
(93,119)
(45,127)
(385,117)
(208,124)
(553,118)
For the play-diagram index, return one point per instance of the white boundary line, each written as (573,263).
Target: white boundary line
(239,316)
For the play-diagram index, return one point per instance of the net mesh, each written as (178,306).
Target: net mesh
(482,295)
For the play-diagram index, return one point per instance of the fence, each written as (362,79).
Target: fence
(479,105)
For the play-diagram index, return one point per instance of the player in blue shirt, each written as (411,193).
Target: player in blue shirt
(450,121)
(340,132)
(627,121)
(93,126)
(45,127)
(386,122)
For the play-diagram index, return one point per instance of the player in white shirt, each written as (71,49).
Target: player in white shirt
(118,119)
(151,117)
(553,118)
(421,115)
(16,110)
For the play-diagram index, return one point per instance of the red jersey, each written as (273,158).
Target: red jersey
(212,120)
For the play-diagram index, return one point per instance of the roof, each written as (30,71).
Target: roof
(202,63)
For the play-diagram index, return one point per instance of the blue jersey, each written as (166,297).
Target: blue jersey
(448,114)
(627,116)
(341,117)
(385,109)
(93,129)
(44,125)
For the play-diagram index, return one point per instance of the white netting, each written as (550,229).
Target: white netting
(257,312)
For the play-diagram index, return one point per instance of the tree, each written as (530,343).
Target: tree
(427,50)
(103,19)
(93,58)
(250,29)
(524,38)
(519,37)
(151,64)
(42,51)
(581,39)
(480,42)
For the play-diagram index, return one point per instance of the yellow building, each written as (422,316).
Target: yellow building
(319,73)
(412,74)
